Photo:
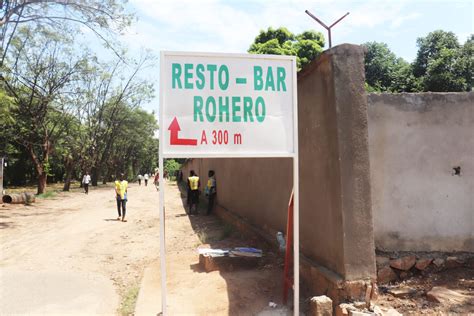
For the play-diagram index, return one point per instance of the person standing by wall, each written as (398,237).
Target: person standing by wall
(140,177)
(85,181)
(146,177)
(193,185)
(211,190)
(121,197)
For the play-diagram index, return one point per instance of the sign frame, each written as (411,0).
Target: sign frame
(294,155)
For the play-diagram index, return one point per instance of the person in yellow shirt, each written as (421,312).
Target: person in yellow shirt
(193,191)
(211,190)
(121,197)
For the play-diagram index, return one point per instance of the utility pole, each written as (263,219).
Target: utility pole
(328,28)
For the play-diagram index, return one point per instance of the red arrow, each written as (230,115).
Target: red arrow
(174,140)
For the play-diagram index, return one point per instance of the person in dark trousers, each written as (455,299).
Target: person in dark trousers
(85,181)
(211,190)
(193,185)
(121,197)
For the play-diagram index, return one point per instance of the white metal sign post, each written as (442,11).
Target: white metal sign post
(228,105)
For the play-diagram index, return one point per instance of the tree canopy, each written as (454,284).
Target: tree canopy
(441,65)
(68,112)
(305,46)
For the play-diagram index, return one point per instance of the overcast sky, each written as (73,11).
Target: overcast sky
(231,26)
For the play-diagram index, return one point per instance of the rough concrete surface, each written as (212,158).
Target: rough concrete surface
(416,140)
(335,205)
(53,292)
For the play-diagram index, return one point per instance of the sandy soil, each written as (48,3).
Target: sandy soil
(460,280)
(69,254)
(232,291)
(76,236)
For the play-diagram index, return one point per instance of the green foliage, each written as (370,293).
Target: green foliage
(47,195)
(67,113)
(127,307)
(384,72)
(441,65)
(171,166)
(306,46)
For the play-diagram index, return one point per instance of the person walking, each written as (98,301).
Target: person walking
(121,197)
(193,184)
(146,177)
(211,190)
(140,177)
(156,181)
(85,182)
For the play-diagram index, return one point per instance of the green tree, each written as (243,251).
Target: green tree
(39,72)
(306,46)
(171,166)
(466,62)
(385,72)
(103,18)
(109,98)
(441,63)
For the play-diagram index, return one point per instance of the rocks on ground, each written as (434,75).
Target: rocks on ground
(443,295)
(321,306)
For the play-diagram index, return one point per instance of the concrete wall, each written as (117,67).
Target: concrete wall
(415,141)
(336,230)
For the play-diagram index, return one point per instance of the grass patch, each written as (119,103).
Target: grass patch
(47,195)
(129,300)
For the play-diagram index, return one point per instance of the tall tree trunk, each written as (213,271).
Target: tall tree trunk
(94,176)
(42,183)
(67,178)
(40,172)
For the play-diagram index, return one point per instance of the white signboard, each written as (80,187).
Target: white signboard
(227,105)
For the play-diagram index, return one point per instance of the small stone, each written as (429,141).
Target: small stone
(382,261)
(453,262)
(368,294)
(321,306)
(375,292)
(378,311)
(443,295)
(438,262)
(423,263)
(402,292)
(403,263)
(359,313)
(360,305)
(392,312)
(405,275)
(341,311)
(386,275)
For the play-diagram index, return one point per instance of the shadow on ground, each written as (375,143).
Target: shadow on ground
(249,289)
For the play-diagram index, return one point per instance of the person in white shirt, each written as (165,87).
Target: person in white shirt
(140,177)
(85,181)
(146,176)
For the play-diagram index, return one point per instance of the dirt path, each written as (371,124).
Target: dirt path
(230,291)
(69,253)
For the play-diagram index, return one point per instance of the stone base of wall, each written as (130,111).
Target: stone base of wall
(322,281)
(317,279)
(398,266)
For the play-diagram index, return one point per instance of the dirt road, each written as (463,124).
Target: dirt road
(69,254)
